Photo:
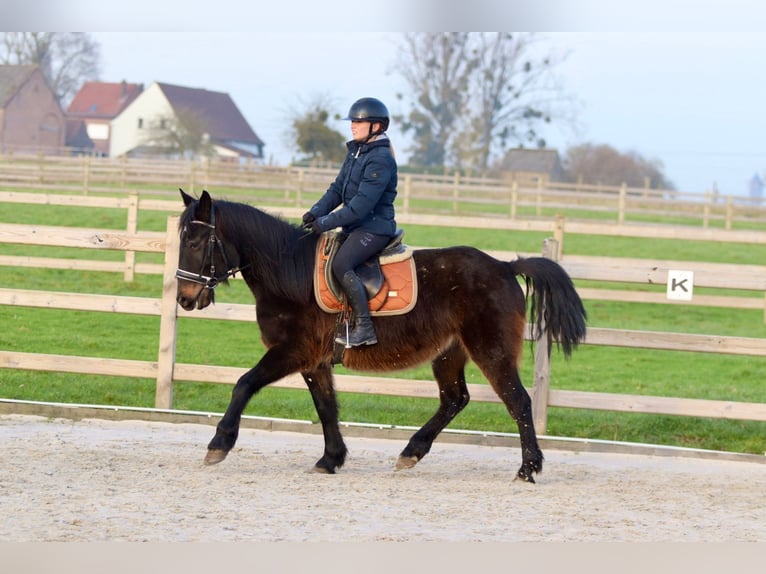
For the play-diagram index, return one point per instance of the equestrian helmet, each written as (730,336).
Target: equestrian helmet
(369,110)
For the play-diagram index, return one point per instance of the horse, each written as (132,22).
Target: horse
(470,306)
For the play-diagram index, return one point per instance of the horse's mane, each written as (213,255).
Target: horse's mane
(273,248)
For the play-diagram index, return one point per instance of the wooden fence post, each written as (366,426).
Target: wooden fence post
(407,192)
(621,203)
(192,177)
(205,173)
(130,256)
(729,212)
(455,191)
(299,187)
(85,173)
(541,386)
(123,172)
(166,357)
(539,198)
(514,199)
(558,237)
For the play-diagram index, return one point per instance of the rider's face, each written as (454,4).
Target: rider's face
(360,129)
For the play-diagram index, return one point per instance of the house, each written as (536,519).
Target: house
(91,111)
(31,118)
(531,165)
(176,121)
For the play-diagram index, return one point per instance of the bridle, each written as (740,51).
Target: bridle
(209,281)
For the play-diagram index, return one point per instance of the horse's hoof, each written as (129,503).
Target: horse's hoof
(320,470)
(406,462)
(524,477)
(214,456)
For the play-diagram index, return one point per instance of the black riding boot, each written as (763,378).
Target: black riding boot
(362,332)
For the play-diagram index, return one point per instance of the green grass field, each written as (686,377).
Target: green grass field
(634,371)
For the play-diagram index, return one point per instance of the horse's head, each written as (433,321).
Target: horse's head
(204,258)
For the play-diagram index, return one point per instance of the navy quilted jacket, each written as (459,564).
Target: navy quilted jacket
(366,189)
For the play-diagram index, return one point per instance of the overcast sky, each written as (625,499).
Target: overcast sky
(690,94)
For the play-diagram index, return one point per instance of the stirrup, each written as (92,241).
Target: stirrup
(344,340)
(370,339)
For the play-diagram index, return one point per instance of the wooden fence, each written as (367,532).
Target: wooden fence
(166,371)
(638,271)
(419,193)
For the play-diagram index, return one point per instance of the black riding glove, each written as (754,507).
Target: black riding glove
(313,227)
(310,223)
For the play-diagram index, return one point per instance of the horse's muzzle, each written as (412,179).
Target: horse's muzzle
(194,297)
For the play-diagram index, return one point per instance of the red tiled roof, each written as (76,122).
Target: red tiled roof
(103,99)
(216,111)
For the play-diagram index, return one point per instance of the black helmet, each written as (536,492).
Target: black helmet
(369,109)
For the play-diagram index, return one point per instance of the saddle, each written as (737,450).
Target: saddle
(389,277)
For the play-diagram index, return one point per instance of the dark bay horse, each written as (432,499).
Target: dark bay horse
(470,307)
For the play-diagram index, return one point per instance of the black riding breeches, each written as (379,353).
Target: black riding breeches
(358,247)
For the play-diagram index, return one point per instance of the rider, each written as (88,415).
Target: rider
(366,189)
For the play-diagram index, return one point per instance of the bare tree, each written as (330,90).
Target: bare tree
(67,59)
(474,93)
(603,164)
(515,91)
(437,67)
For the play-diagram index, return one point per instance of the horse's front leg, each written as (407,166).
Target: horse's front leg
(274,365)
(320,383)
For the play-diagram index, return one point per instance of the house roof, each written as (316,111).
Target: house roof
(11,79)
(103,99)
(216,111)
(532,160)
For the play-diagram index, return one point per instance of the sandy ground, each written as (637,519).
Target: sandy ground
(96,480)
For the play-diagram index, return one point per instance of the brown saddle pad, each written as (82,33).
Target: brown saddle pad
(396,295)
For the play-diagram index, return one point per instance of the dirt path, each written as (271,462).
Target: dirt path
(96,480)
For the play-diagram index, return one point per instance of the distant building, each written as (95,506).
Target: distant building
(31,118)
(531,165)
(144,127)
(92,110)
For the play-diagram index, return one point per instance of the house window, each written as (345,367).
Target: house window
(98,131)
(140,123)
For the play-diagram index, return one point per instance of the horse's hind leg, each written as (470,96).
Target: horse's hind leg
(516,398)
(320,384)
(506,382)
(500,367)
(449,372)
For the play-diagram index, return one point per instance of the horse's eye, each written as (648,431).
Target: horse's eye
(193,244)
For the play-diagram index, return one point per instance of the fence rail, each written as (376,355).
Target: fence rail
(625,270)
(166,371)
(448,193)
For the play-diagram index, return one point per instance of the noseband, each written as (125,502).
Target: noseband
(209,281)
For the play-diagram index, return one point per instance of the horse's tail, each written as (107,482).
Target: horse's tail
(555,307)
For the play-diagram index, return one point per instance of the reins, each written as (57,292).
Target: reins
(210,281)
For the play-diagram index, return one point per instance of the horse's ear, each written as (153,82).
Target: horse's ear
(188,199)
(205,207)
